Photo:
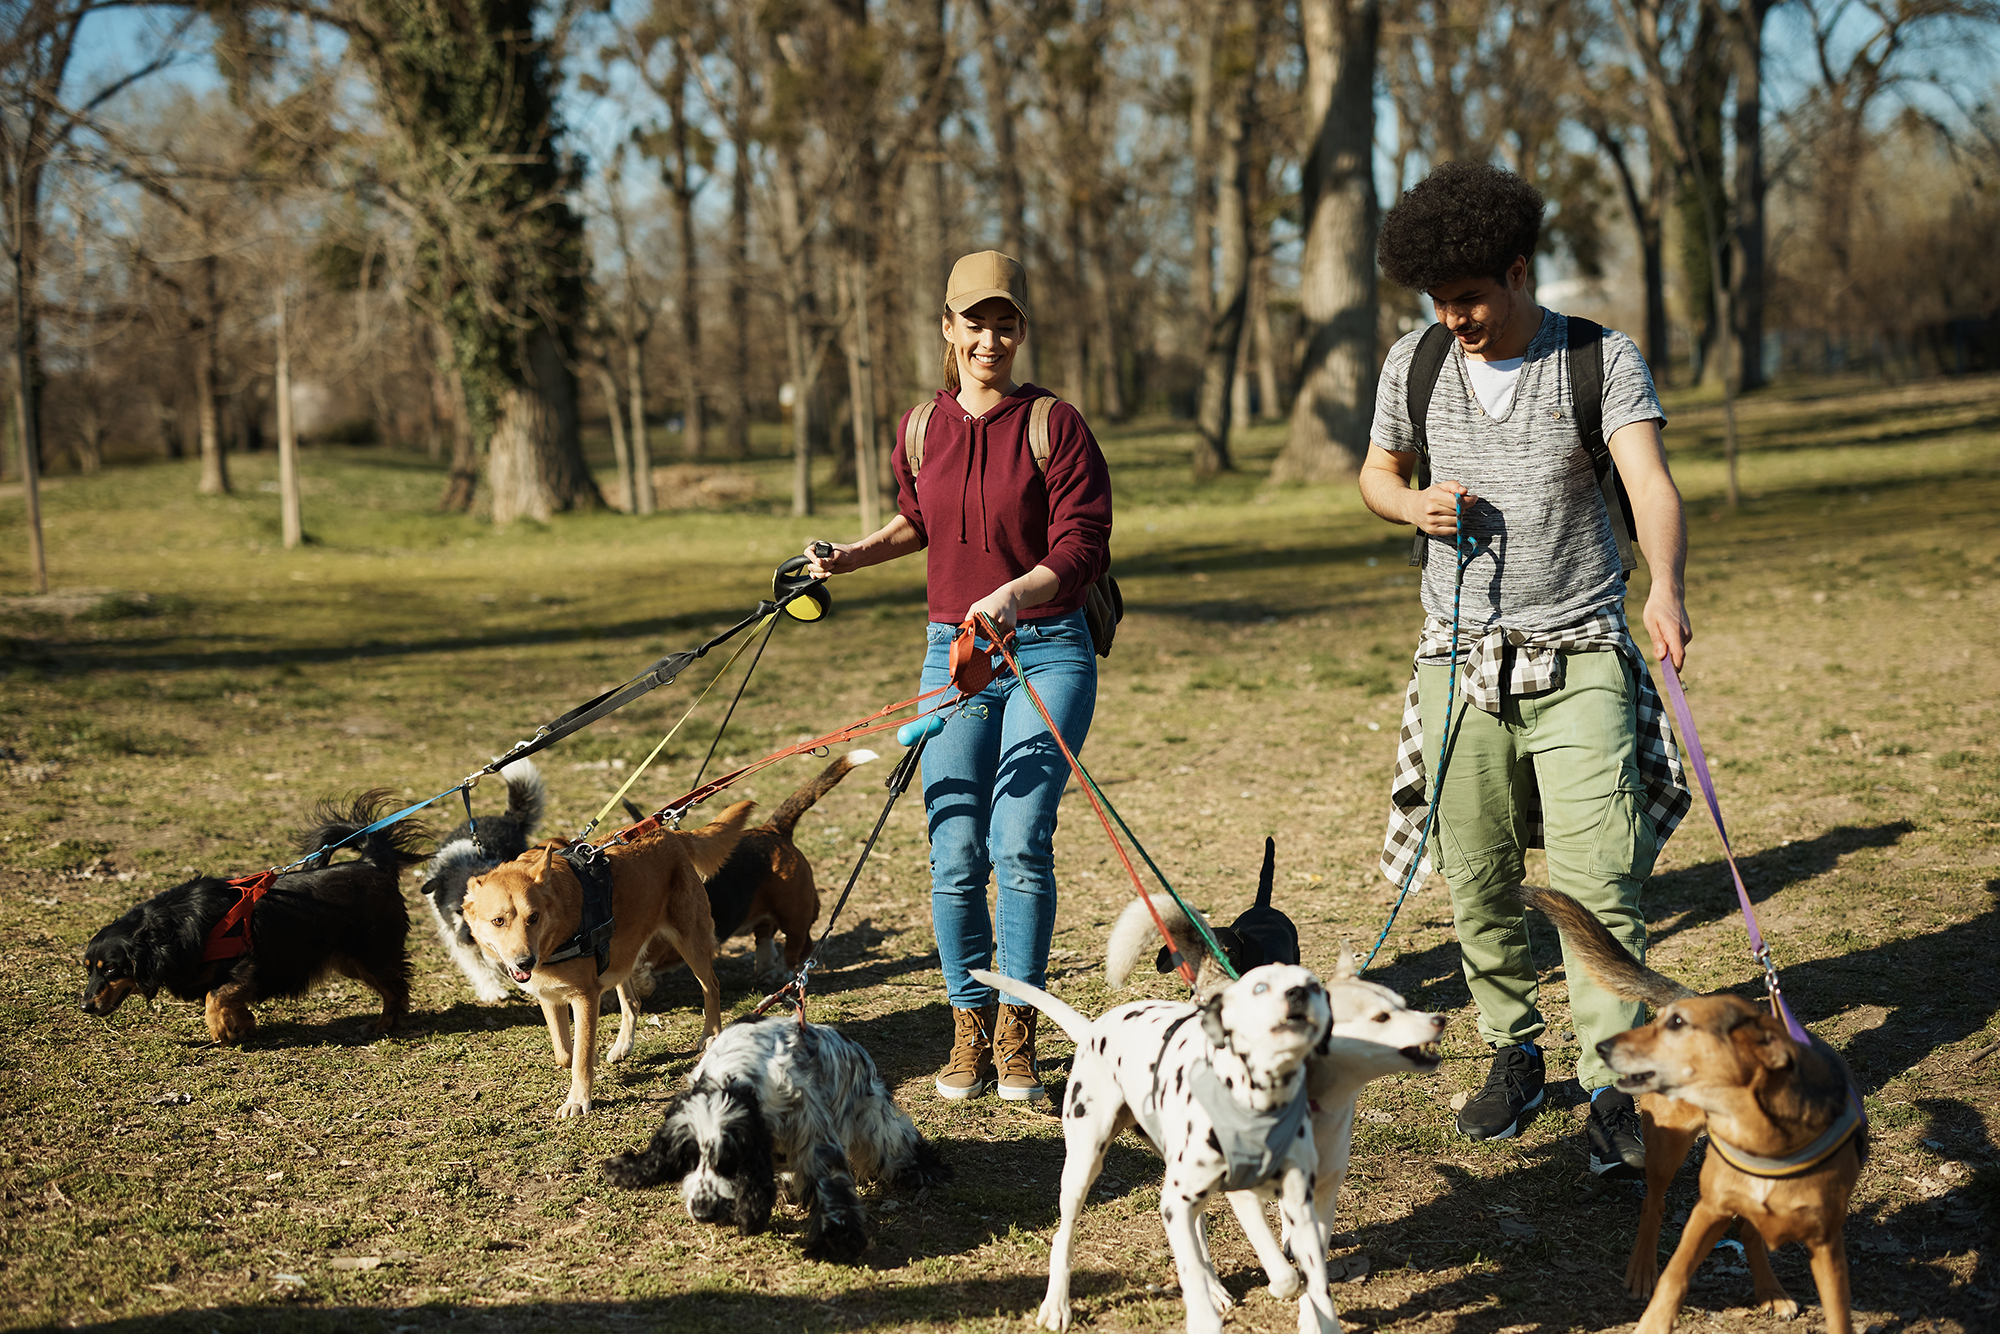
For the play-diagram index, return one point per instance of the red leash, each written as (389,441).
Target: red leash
(1082,779)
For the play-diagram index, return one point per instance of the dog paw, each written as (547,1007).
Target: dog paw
(1218,1296)
(1054,1314)
(619,1051)
(1782,1306)
(1286,1286)
(573,1108)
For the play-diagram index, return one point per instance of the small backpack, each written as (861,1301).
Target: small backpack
(1103,604)
(1586,387)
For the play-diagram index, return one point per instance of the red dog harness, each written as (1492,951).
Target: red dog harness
(231,936)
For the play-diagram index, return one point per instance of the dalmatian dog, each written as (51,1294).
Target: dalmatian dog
(1374,1033)
(1220,1090)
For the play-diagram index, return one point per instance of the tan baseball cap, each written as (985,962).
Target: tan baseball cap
(977,277)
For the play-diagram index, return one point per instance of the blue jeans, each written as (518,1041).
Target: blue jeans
(992,779)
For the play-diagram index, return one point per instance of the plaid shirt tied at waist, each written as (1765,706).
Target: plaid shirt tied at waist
(1512,662)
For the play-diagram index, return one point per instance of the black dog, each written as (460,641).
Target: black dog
(328,917)
(474,848)
(1261,935)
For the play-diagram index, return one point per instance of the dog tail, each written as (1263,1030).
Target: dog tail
(526,795)
(392,847)
(709,846)
(1068,1020)
(1269,872)
(1134,934)
(1603,955)
(802,800)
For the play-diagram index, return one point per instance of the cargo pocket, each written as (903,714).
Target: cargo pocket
(1624,848)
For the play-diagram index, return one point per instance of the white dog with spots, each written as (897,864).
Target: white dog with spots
(1220,1090)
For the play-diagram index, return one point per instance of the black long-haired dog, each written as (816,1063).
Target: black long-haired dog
(1259,936)
(774,1102)
(343,917)
(474,848)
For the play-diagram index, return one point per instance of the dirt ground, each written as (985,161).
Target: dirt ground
(199,689)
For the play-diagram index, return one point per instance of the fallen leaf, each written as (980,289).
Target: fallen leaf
(171,1100)
(289,1280)
(355,1262)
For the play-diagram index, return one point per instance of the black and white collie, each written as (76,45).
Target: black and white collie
(499,838)
(777,1103)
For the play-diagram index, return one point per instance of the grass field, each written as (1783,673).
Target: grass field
(197,689)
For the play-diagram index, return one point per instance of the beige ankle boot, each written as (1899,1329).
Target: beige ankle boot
(970,1067)
(1014,1054)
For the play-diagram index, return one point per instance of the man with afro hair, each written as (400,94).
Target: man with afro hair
(1558,739)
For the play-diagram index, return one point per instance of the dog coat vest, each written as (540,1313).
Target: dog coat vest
(593,933)
(230,937)
(1253,1143)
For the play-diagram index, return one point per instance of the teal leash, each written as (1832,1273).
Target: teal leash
(1444,742)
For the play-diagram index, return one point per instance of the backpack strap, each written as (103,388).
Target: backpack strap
(1038,430)
(913,435)
(1425,366)
(1586,387)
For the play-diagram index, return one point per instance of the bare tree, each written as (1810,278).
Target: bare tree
(1336,395)
(1234,59)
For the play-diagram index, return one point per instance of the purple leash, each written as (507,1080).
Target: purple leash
(1758,949)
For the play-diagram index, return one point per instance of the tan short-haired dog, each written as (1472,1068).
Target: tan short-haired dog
(524,911)
(1786,1141)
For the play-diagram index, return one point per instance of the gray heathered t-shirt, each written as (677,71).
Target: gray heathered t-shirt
(1543,553)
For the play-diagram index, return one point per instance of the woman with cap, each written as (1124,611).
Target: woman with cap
(1020,544)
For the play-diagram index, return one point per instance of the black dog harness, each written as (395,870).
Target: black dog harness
(593,934)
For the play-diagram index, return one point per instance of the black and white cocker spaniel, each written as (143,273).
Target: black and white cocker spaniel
(778,1104)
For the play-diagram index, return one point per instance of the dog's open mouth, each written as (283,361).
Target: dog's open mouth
(521,974)
(1636,1083)
(1425,1056)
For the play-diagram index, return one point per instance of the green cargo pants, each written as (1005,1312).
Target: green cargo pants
(1577,747)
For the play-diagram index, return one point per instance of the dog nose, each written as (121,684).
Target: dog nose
(1604,1048)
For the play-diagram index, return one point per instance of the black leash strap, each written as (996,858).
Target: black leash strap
(898,783)
(662,672)
(741,686)
(593,933)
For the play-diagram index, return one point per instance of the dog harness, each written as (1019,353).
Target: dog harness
(593,934)
(1806,1159)
(230,937)
(1253,1143)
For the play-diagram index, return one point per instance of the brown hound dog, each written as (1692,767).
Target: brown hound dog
(527,910)
(1786,1141)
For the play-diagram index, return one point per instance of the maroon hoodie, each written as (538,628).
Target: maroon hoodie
(987,515)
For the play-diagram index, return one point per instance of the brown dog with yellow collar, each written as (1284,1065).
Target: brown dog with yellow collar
(1786,1135)
(568,942)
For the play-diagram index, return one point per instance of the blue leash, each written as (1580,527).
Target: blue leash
(1444,742)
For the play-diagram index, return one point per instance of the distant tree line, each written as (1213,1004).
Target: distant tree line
(380,205)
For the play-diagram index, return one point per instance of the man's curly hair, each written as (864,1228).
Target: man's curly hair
(1464,220)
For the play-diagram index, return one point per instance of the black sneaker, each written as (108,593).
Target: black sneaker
(1617,1140)
(1513,1087)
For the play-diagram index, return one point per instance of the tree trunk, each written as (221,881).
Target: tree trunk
(208,418)
(795,278)
(1648,223)
(1746,273)
(621,445)
(694,441)
(1268,407)
(462,482)
(1224,338)
(861,397)
(1336,395)
(291,520)
(924,197)
(534,466)
(1076,347)
(1000,71)
(643,498)
(1205,20)
(736,406)
(24,435)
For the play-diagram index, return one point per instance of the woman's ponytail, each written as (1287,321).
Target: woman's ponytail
(950,365)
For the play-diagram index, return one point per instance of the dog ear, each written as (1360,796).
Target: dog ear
(1211,1021)
(1763,1039)
(1344,967)
(1164,961)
